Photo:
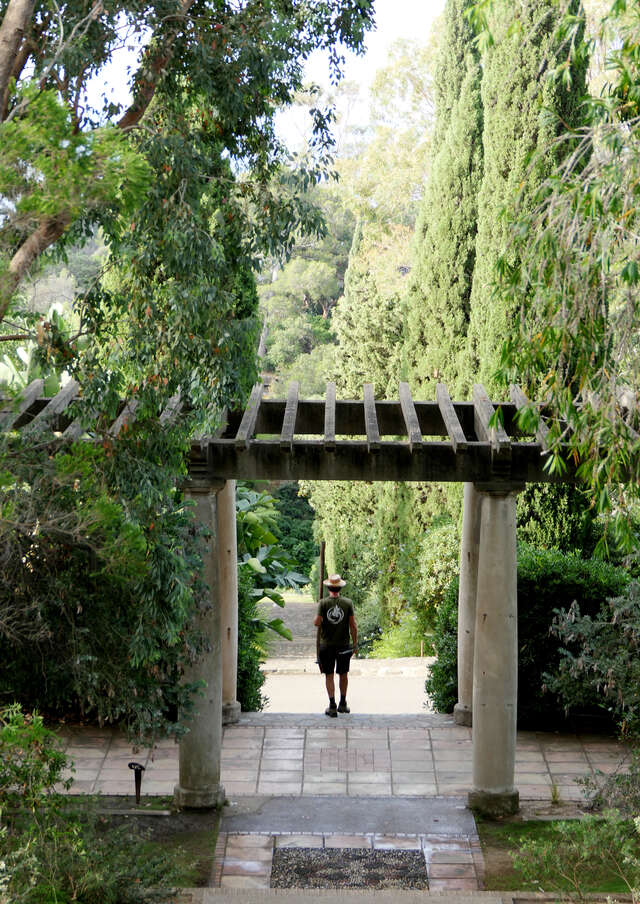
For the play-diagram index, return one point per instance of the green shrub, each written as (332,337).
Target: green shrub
(442,684)
(100,586)
(600,656)
(295,526)
(548,580)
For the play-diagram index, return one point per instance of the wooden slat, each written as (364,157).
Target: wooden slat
(250,416)
(126,416)
(330,418)
(371,419)
(520,400)
(450,418)
(289,420)
(58,404)
(495,435)
(410,417)
(30,394)
(74,431)
(171,410)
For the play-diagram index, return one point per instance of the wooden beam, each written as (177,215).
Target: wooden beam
(495,435)
(371,419)
(394,461)
(289,420)
(59,403)
(411,422)
(250,416)
(453,426)
(10,415)
(520,400)
(126,416)
(330,418)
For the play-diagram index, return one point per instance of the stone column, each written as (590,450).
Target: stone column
(228,588)
(495,667)
(469,547)
(200,749)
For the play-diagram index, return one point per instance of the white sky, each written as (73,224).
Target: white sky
(395,19)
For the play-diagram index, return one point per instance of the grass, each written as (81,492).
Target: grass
(500,839)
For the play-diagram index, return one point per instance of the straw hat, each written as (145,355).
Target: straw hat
(334,582)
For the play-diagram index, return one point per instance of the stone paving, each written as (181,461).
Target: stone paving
(354,756)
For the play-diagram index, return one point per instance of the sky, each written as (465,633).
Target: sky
(395,19)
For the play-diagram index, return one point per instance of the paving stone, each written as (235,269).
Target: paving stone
(228,773)
(311,788)
(413,788)
(245,882)
(299,841)
(233,867)
(452,871)
(265,787)
(396,843)
(442,885)
(251,840)
(240,787)
(347,841)
(357,789)
(275,775)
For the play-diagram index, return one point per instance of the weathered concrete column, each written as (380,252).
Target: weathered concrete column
(495,666)
(199,776)
(469,548)
(228,588)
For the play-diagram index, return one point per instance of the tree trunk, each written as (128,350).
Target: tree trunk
(12,31)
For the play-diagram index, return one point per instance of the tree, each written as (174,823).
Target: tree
(571,270)
(383,166)
(444,255)
(231,66)
(523,109)
(368,320)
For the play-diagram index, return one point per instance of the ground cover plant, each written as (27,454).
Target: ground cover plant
(54,850)
(571,858)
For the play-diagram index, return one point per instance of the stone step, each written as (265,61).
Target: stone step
(346,896)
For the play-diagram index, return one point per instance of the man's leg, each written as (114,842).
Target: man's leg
(327,665)
(331,685)
(344,683)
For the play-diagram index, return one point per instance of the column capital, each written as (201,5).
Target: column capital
(499,487)
(200,487)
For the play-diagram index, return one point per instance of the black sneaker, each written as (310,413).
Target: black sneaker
(343,708)
(331,711)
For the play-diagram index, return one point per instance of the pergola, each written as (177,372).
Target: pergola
(366,440)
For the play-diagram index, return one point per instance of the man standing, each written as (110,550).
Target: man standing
(336,621)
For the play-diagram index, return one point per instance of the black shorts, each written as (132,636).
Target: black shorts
(334,659)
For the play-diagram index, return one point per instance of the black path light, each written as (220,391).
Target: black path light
(138,769)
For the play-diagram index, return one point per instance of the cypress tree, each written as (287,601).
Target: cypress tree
(437,304)
(368,319)
(523,107)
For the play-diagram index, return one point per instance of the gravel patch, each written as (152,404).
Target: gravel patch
(348,868)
